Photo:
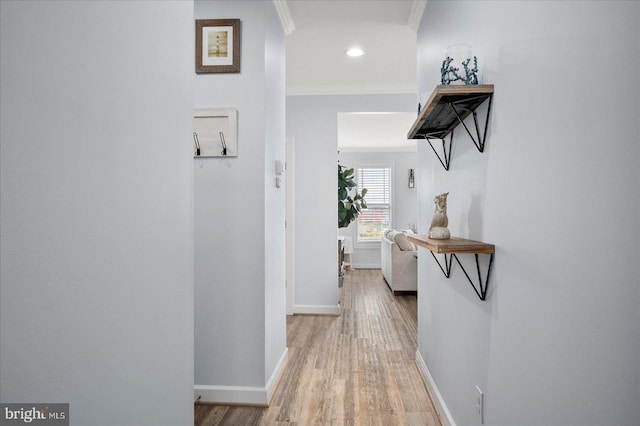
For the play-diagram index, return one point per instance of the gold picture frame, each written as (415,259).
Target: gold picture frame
(218,46)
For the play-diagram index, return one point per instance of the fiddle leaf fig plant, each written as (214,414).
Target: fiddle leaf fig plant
(349,206)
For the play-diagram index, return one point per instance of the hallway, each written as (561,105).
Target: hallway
(354,369)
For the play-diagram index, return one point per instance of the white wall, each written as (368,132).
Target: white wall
(404,210)
(96,245)
(239,217)
(558,339)
(312,121)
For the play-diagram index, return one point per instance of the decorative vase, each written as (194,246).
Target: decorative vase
(459,66)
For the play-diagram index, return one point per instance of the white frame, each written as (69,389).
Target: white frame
(207,124)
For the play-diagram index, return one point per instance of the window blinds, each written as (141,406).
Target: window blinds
(373,220)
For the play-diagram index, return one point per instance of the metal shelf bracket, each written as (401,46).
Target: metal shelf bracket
(447,262)
(478,140)
(446,154)
(480,290)
(479,143)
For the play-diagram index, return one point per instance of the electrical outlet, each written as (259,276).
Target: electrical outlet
(480,404)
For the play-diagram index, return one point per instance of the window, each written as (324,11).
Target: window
(373,220)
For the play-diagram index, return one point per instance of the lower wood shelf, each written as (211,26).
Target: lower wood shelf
(453,246)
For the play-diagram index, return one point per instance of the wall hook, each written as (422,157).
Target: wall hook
(195,139)
(224,145)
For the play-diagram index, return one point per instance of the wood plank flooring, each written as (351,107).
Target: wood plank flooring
(355,369)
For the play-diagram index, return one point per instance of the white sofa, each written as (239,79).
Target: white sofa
(399,261)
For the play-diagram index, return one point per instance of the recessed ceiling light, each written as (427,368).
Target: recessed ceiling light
(355,51)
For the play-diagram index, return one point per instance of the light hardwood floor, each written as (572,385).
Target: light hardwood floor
(354,369)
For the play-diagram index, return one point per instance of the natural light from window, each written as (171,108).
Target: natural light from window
(373,220)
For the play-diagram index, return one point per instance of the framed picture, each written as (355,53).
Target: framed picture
(217,45)
(215,132)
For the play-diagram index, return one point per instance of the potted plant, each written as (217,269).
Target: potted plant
(350,203)
(349,206)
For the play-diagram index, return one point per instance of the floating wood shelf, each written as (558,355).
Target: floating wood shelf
(453,246)
(447,107)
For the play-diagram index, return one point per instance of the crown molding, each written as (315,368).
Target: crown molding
(417,10)
(285,16)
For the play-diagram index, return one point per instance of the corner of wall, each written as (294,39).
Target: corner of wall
(243,395)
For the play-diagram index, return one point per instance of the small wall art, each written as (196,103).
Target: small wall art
(215,132)
(217,46)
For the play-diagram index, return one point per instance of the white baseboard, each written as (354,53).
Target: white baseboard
(316,309)
(366,266)
(231,395)
(441,406)
(272,383)
(242,395)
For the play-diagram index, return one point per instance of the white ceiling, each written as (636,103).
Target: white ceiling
(319,32)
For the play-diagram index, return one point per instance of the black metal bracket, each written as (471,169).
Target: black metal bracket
(446,155)
(480,289)
(479,143)
(447,262)
(459,109)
